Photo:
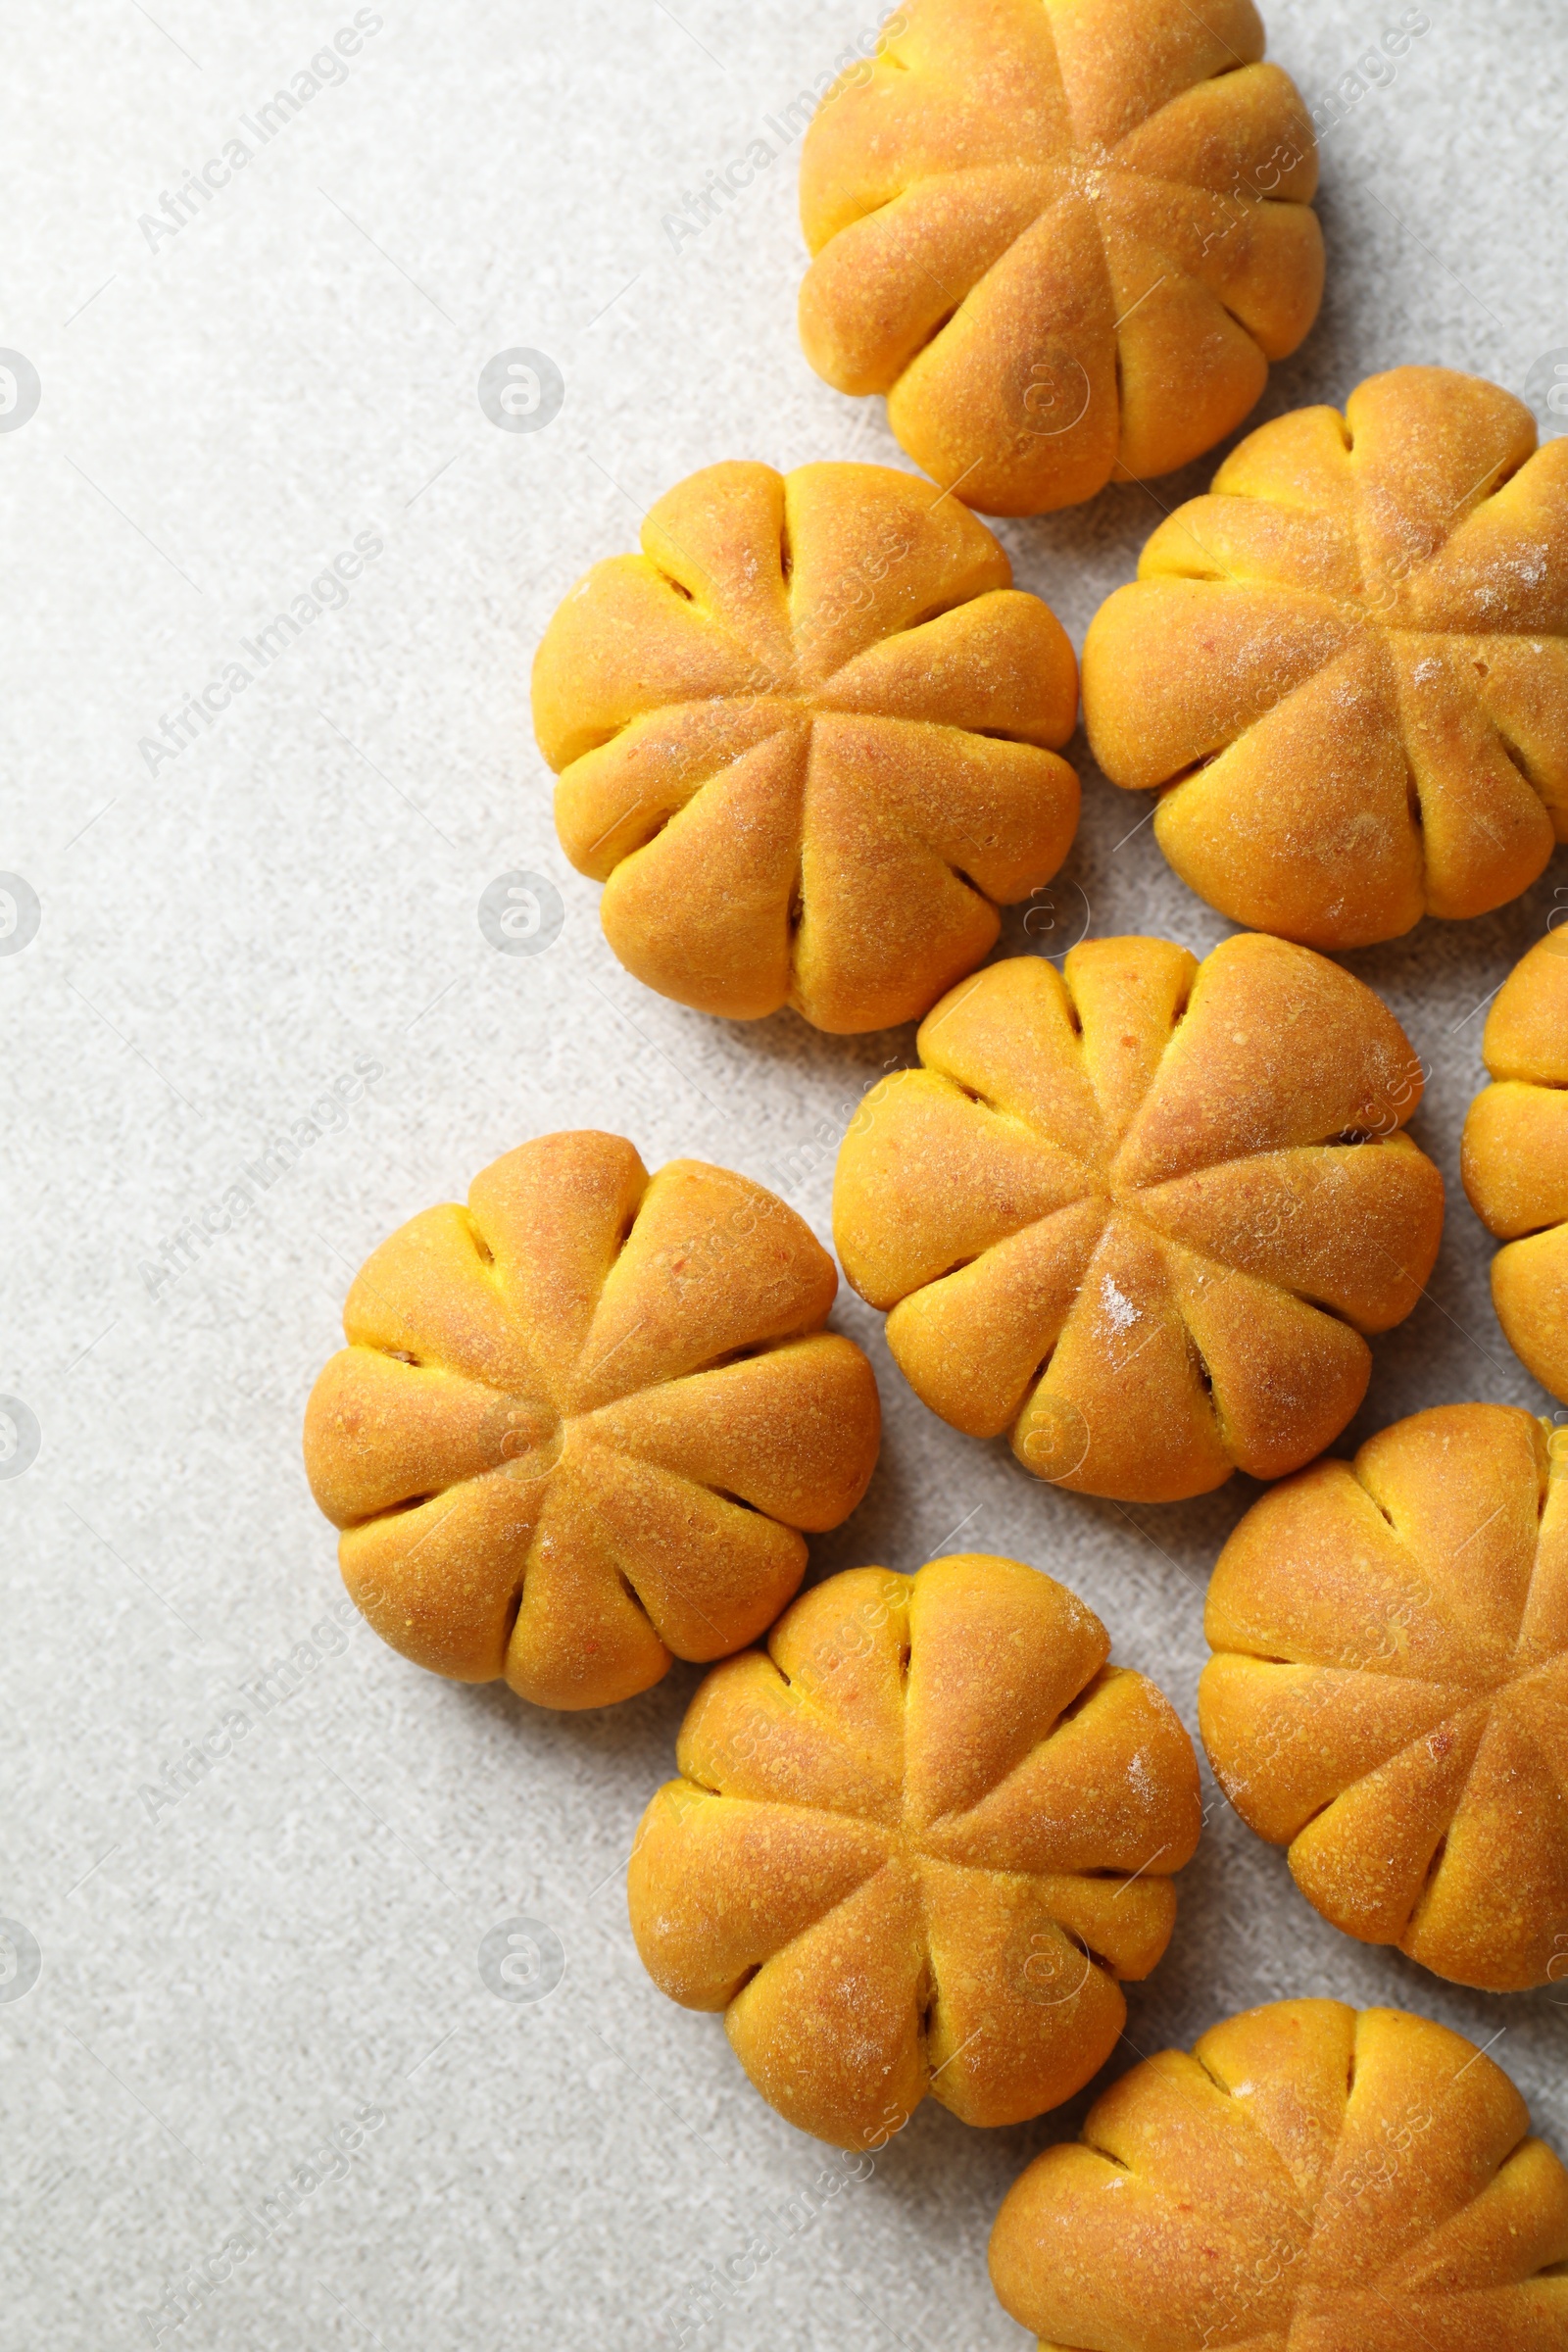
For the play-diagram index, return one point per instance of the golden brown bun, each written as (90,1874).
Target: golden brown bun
(1065,240)
(1110,1213)
(580,1423)
(1390,1694)
(1348,667)
(801,741)
(915,1847)
(1310,2180)
(1515,1162)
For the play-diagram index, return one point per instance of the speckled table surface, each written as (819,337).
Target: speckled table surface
(232,935)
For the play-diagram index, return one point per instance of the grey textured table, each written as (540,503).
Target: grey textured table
(231,934)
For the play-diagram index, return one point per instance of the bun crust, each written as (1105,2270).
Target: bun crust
(1139,1214)
(580,1423)
(1389,1694)
(804,740)
(915,1847)
(1346,669)
(1064,239)
(1515,1159)
(1309,2177)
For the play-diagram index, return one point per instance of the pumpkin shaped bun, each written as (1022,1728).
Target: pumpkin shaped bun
(1139,1214)
(1346,669)
(580,1423)
(1309,2180)
(1389,1694)
(1066,238)
(1515,1164)
(915,1847)
(804,740)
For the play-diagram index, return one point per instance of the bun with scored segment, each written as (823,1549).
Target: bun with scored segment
(1066,238)
(915,1845)
(807,739)
(1515,1163)
(1310,2178)
(1346,669)
(580,1423)
(1139,1214)
(1389,1694)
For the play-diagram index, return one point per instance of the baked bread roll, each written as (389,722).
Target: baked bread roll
(579,1424)
(1064,239)
(1311,2176)
(1515,1162)
(1389,1694)
(1348,668)
(802,741)
(915,1847)
(1139,1214)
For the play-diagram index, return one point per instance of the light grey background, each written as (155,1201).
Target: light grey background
(222,939)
